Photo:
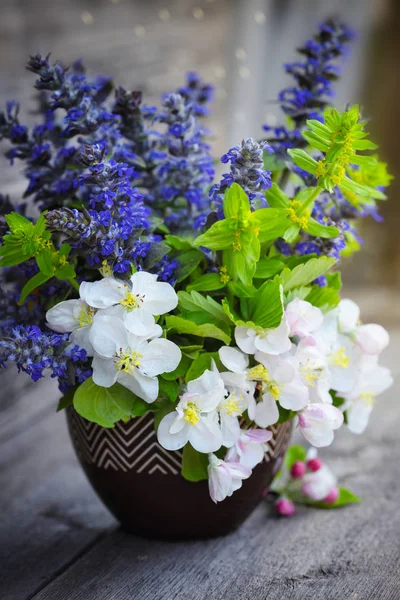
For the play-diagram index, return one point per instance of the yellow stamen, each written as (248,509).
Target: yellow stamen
(309,373)
(232,406)
(127,361)
(301,219)
(223,275)
(237,244)
(85,316)
(274,390)
(259,373)
(130,301)
(340,359)
(321,169)
(191,415)
(369,397)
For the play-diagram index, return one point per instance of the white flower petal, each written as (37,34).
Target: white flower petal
(62,317)
(348,315)
(230,429)
(158,297)
(160,356)
(372,338)
(168,440)
(205,436)
(139,321)
(103,293)
(108,335)
(104,372)
(245,339)
(233,359)
(144,387)
(80,337)
(266,411)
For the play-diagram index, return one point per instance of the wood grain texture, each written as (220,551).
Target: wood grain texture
(57,542)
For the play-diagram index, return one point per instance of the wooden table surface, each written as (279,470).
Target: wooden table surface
(57,541)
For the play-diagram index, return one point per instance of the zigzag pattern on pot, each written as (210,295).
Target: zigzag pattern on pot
(127,446)
(134,445)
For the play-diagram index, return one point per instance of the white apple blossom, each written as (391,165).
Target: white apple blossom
(314,372)
(195,418)
(224,477)
(317,484)
(141,298)
(318,421)
(236,379)
(280,382)
(75,317)
(271,341)
(359,403)
(370,338)
(132,361)
(250,449)
(303,319)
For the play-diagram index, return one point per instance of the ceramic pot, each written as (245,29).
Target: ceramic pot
(141,484)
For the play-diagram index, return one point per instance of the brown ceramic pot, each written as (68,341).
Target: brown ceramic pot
(141,484)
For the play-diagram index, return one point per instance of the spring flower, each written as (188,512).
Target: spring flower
(285,507)
(303,318)
(132,361)
(313,369)
(225,477)
(73,316)
(371,339)
(317,423)
(270,341)
(143,298)
(236,379)
(373,380)
(195,418)
(318,483)
(249,450)
(298,469)
(280,382)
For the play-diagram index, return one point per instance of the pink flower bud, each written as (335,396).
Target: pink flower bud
(314,464)
(298,469)
(285,507)
(332,496)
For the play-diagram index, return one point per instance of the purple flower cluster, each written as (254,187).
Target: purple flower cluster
(198,93)
(33,351)
(185,168)
(246,162)
(313,77)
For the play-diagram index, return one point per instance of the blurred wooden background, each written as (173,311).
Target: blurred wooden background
(56,540)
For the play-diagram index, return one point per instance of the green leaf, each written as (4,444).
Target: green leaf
(285,414)
(104,406)
(276,198)
(303,160)
(272,223)
(206,283)
(194,464)
(208,330)
(194,301)
(268,267)
(294,454)
(66,399)
(177,243)
(220,235)
(236,202)
(324,231)
(266,307)
(18,223)
(170,389)
(188,261)
(325,298)
(201,364)
(345,497)
(45,262)
(32,284)
(301,293)
(238,289)
(306,273)
(291,233)
(66,271)
(240,266)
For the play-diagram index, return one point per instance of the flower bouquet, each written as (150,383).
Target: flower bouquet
(189,322)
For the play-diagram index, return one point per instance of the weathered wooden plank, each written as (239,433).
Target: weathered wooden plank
(50,513)
(353,553)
